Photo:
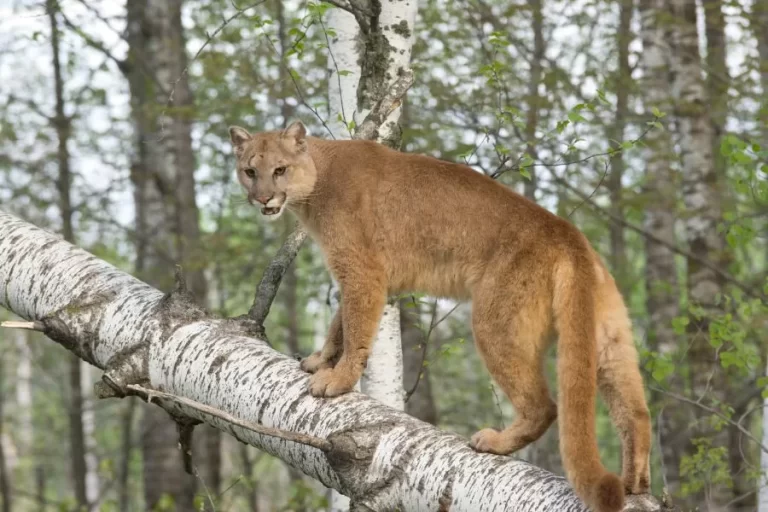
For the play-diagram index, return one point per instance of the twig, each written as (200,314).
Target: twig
(32,326)
(611,152)
(270,281)
(712,411)
(315,442)
(749,290)
(122,64)
(361,12)
(299,92)
(594,190)
(425,342)
(338,78)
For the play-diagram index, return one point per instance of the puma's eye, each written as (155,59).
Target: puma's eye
(251,173)
(280,171)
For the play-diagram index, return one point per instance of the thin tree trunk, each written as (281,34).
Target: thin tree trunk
(623,85)
(62,123)
(40,486)
(758,21)
(718,84)
(718,78)
(253,490)
(534,100)
(126,449)
(5,478)
(703,200)
(660,183)
(24,406)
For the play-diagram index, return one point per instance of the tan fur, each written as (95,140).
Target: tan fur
(389,222)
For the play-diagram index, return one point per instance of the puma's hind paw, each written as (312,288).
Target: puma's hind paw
(489,440)
(315,362)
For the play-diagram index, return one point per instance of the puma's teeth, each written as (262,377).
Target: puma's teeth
(270,211)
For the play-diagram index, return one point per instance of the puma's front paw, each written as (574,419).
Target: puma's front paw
(488,440)
(329,382)
(315,362)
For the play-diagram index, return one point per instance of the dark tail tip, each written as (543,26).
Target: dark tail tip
(609,494)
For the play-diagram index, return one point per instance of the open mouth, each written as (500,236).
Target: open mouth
(270,211)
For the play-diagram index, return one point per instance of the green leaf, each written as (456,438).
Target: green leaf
(680,323)
(657,113)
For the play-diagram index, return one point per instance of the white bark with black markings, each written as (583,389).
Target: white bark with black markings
(383,458)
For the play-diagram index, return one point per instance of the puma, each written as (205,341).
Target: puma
(389,222)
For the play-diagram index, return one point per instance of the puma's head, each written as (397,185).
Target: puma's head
(275,168)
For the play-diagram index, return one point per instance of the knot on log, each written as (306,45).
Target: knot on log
(351,454)
(179,307)
(128,367)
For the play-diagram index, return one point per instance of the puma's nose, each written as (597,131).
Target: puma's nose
(263,199)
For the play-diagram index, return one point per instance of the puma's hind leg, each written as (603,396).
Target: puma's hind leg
(621,386)
(331,351)
(510,334)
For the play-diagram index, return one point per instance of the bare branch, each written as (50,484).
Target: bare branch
(369,128)
(270,281)
(748,289)
(122,65)
(717,413)
(32,326)
(315,442)
(361,10)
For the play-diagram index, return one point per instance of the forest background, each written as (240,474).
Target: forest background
(644,122)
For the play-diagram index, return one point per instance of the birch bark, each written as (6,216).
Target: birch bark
(661,275)
(703,201)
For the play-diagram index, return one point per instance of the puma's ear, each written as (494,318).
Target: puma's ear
(238,136)
(297,134)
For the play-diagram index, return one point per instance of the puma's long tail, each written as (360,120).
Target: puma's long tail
(574,308)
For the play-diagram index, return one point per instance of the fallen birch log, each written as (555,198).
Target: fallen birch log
(144,339)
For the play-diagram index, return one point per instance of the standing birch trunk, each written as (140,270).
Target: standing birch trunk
(383,375)
(660,271)
(383,458)
(387,31)
(343,77)
(353,89)
(703,201)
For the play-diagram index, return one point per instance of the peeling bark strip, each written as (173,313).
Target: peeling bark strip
(382,458)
